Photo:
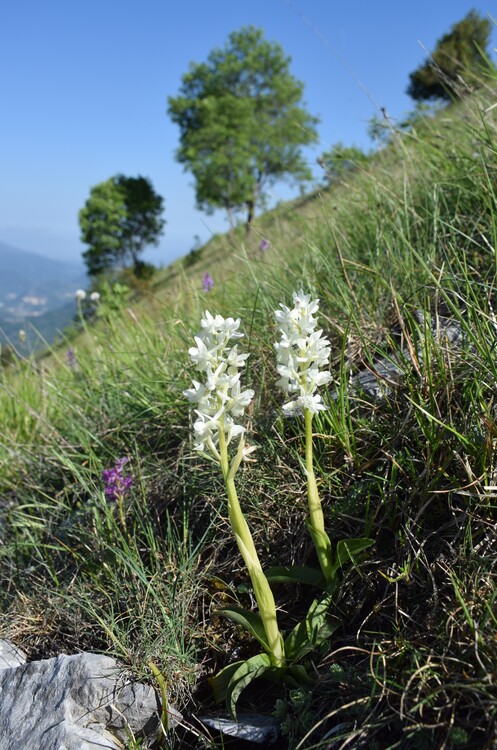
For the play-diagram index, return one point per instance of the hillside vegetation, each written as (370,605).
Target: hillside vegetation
(402,256)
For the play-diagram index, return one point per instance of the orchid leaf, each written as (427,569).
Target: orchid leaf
(319,625)
(295,574)
(298,674)
(219,683)
(321,540)
(297,642)
(311,632)
(247,672)
(251,621)
(347,550)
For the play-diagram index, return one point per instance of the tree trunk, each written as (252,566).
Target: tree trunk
(250,215)
(231,218)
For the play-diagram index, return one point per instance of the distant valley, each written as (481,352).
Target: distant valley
(35,293)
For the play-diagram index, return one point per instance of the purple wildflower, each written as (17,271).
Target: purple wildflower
(116,485)
(207,282)
(71,358)
(265,245)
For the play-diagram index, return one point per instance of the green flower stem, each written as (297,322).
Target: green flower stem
(316,517)
(263,594)
(122,515)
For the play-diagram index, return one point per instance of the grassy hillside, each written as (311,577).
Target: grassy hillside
(402,258)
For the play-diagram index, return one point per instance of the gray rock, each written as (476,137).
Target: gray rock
(386,373)
(10,655)
(256,728)
(80,702)
(377,381)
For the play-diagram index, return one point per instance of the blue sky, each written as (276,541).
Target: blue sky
(84,89)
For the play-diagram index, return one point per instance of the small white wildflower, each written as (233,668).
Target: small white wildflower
(247,451)
(201,355)
(80,295)
(302,355)
(219,399)
(218,330)
(95,297)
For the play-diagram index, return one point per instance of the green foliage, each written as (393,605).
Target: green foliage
(195,253)
(230,682)
(342,160)
(382,129)
(347,552)
(317,627)
(296,716)
(242,123)
(8,355)
(458,57)
(250,621)
(122,216)
(144,271)
(394,254)
(306,636)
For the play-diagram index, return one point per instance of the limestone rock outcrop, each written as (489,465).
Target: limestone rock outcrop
(80,702)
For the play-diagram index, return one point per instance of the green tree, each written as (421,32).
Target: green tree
(341,160)
(122,216)
(242,123)
(457,58)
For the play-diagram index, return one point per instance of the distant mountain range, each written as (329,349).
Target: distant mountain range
(36,292)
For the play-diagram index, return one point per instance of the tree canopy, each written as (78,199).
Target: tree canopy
(341,160)
(122,216)
(242,123)
(458,55)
